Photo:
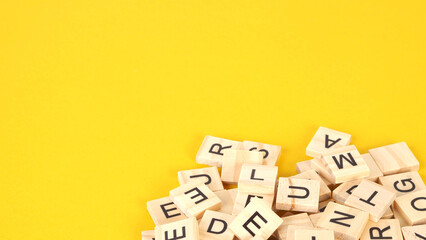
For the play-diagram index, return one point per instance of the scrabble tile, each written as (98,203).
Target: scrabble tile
(388,214)
(257,221)
(271,153)
(298,195)
(325,192)
(211,150)
(210,175)
(227,201)
(395,158)
(401,219)
(243,199)
(301,219)
(326,139)
(346,222)
(313,234)
(163,211)
(182,229)
(258,179)
(415,232)
(342,192)
(412,207)
(148,235)
(293,228)
(375,172)
(315,217)
(233,160)
(372,198)
(215,226)
(303,166)
(403,183)
(383,229)
(320,168)
(345,164)
(194,198)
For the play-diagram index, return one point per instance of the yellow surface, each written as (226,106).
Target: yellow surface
(102,102)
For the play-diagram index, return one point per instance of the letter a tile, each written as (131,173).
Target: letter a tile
(257,221)
(326,139)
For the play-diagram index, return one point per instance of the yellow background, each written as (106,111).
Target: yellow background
(102,102)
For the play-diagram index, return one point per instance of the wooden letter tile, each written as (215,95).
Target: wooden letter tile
(243,199)
(375,172)
(344,190)
(326,139)
(194,198)
(163,211)
(215,226)
(301,219)
(210,175)
(325,192)
(148,235)
(403,183)
(227,201)
(303,166)
(412,207)
(257,220)
(257,179)
(345,164)
(233,160)
(183,229)
(271,153)
(415,232)
(383,229)
(313,234)
(346,222)
(211,150)
(372,198)
(395,158)
(298,195)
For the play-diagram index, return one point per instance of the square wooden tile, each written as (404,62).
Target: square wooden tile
(257,221)
(257,179)
(412,207)
(297,195)
(395,158)
(215,226)
(211,150)
(383,229)
(194,198)
(344,190)
(210,175)
(301,219)
(186,229)
(326,139)
(345,164)
(227,201)
(346,222)
(271,153)
(148,235)
(325,192)
(303,166)
(414,232)
(233,161)
(403,183)
(375,172)
(243,199)
(372,198)
(313,234)
(163,211)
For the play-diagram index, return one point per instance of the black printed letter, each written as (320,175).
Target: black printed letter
(175,237)
(224,227)
(165,211)
(209,179)
(219,150)
(403,182)
(261,150)
(301,188)
(339,162)
(380,232)
(413,204)
(199,193)
(251,220)
(333,141)
(368,201)
(347,216)
(253,171)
